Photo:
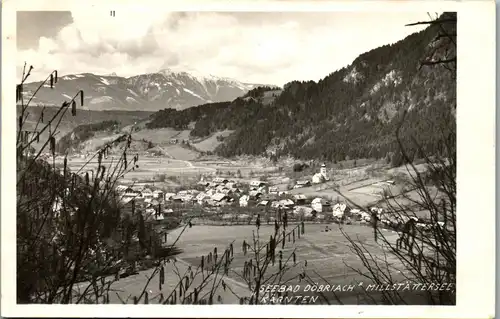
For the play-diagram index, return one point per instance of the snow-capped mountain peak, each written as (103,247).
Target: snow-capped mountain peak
(167,88)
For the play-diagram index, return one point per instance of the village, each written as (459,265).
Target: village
(224,201)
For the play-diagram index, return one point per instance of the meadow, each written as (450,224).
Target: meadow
(328,256)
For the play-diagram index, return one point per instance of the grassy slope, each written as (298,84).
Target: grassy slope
(210,144)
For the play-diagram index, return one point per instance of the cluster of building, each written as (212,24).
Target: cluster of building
(258,195)
(221,192)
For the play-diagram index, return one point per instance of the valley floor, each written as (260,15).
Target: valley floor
(329,262)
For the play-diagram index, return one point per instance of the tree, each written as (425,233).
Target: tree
(142,231)
(388,158)
(397,159)
(68,221)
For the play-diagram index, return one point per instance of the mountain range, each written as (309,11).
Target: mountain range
(145,92)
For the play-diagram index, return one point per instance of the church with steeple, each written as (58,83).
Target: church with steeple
(322,176)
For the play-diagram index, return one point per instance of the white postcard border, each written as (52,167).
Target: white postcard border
(475,175)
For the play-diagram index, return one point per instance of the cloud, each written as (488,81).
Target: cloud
(272,48)
(32,25)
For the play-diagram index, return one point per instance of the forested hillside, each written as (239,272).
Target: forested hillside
(353,112)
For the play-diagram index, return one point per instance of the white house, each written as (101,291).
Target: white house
(231,185)
(378,211)
(201,198)
(264,203)
(257,184)
(275,204)
(177,199)
(188,198)
(366,217)
(131,193)
(244,200)
(158,193)
(164,214)
(320,204)
(356,211)
(219,197)
(147,193)
(211,192)
(318,178)
(301,184)
(170,196)
(306,211)
(286,203)
(340,210)
(121,188)
(138,188)
(220,180)
(300,199)
(321,176)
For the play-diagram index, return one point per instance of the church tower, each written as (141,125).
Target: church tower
(322,170)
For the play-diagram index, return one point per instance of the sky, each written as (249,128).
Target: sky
(254,47)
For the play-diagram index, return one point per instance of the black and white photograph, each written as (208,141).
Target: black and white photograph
(232,157)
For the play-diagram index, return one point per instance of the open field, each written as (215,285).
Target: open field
(161,136)
(176,161)
(210,143)
(327,253)
(179,152)
(364,193)
(408,170)
(123,290)
(149,167)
